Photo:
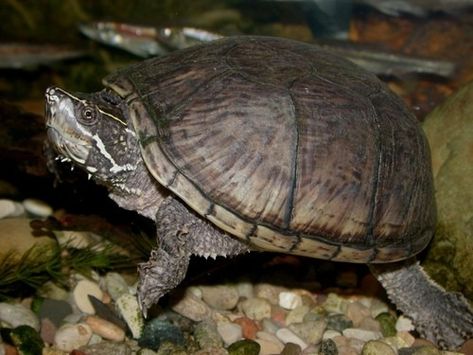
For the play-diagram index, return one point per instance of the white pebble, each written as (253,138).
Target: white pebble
(9,208)
(404,324)
(362,334)
(130,310)
(37,207)
(256,308)
(81,293)
(330,334)
(16,314)
(72,336)
(287,336)
(289,300)
(115,285)
(229,332)
(105,329)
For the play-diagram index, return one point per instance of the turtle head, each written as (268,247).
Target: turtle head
(91,131)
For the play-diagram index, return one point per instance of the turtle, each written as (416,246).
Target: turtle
(253,143)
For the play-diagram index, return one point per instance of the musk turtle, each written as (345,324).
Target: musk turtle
(256,143)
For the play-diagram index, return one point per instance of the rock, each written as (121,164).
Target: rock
(167,348)
(404,324)
(72,336)
(106,348)
(369,323)
(328,347)
(81,293)
(16,238)
(244,347)
(26,340)
(9,208)
(365,335)
(289,300)
(37,208)
(311,332)
(206,335)
(50,290)
(338,322)
(377,307)
(211,351)
(297,314)
(269,326)
(330,334)
(268,347)
(291,349)
(420,350)
(158,331)
(223,297)
(467,347)
(192,307)
(406,338)
(256,308)
(376,347)
(245,289)
(129,309)
(356,312)
(278,315)
(115,285)
(449,129)
(387,323)
(229,332)
(335,304)
(270,337)
(47,331)
(268,292)
(105,329)
(54,310)
(15,315)
(53,351)
(145,351)
(287,336)
(248,326)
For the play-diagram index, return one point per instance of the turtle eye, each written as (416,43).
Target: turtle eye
(88,115)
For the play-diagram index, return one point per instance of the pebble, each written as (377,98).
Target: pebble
(369,323)
(269,326)
(130,311)
(328,347)
(338,322)
(420,350)
(330,334)
(291,349)
(245,289)
(311,332)
(50,290)
(26,340)
(356,312)
(105,329)
(37,208)
(229,332)
(192,307)
(83,289)
(115,285)
(268,347)
(297,314)
(15,315)
(72,336)
(48,331)
(289,300)
(249,327)
(158,331)
(467,347)
(206,335)
(269,292)
(210,351)
(54,310)
(244,347)
(9,208)
(256,308)
(365,335)
(287,336)
(376,347)
(222,297)
(387,324)
(377,307)
(404,324)
(106,348)
(335,304)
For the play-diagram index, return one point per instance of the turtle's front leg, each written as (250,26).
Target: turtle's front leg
(180,234)
(442,317)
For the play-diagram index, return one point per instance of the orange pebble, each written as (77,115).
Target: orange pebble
(249,327)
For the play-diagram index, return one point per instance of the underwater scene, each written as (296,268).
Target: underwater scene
(236,177)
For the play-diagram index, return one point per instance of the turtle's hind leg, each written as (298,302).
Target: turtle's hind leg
(180,234)
(445,318)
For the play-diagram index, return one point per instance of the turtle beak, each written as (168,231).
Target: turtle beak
(68,137)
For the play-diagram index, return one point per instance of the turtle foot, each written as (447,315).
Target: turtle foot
(442,317)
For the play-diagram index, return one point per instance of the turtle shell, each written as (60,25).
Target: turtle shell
(285,145)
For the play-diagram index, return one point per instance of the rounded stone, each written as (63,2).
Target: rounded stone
(289,300)
(223,297)
(328,347)
(362,334)
(9,208)
(206,335)
(81,293)
(244,347)
(37,207)
(130,311)
(387,323)
(15,315)
(115,285)
(192,307)
(256,308)
(229,332)
(105,329)
(157,332)
(375,347)
(287,336)
(311,332)
(72,336)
